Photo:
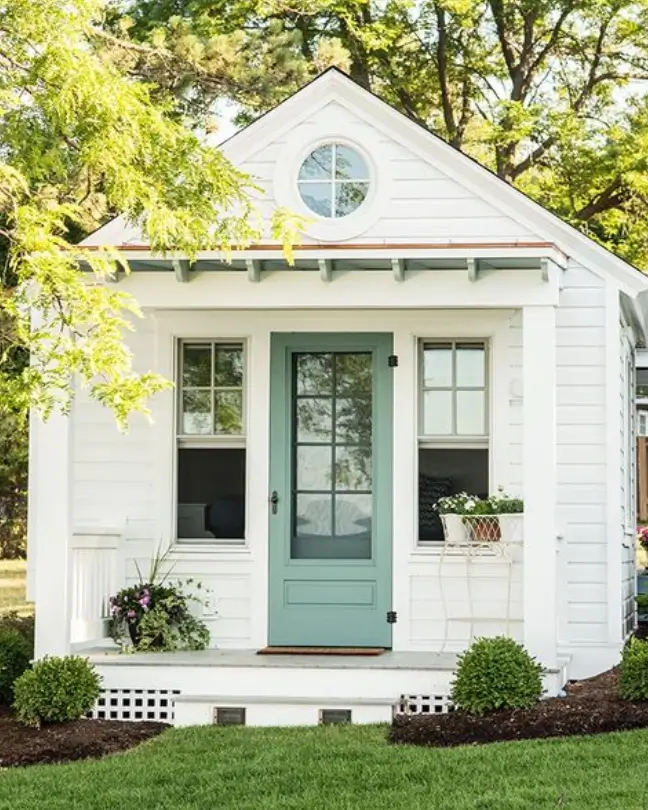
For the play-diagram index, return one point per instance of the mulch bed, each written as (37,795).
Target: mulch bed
(64,742)
(592,706)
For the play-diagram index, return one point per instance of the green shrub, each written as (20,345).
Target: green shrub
(55,690)
(633,683)
(496,673)
(15,657)
(23,624)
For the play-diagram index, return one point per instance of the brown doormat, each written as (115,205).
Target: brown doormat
(321,651)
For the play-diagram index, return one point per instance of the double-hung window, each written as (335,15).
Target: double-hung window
(211,460)
(453,426)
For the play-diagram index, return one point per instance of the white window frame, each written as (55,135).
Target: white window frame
(452,441)
(207,441)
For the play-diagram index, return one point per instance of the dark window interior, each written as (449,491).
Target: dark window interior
(642,382)
(211,493)
(447,472)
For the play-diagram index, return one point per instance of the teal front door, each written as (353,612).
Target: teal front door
(330,490)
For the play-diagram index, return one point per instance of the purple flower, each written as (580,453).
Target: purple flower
(144,601)
(131,614)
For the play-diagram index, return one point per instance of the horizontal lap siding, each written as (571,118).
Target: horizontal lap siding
(446,592)
(628,439)
(581,457)
(423,204)
(445,589)
(116,485)
(580,452)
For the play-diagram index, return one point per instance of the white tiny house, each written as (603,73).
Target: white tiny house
(439,332)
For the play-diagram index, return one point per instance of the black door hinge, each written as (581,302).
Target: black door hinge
(392,360)
(392,617)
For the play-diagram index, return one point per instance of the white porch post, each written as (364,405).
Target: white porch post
(49,484)
(539,482)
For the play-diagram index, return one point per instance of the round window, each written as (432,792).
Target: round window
(333,181)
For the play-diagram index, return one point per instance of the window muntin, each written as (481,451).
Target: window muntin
(211,389)
(453,389)
(333,181)
(211,455)
(454,453)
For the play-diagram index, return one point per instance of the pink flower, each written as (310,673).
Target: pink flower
(131,614)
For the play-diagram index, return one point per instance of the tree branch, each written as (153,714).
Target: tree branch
(442,67)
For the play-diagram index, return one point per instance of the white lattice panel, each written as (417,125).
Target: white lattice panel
(423,704)
(136,704)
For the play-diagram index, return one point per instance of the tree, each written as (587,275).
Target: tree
(549,94)
(81,139)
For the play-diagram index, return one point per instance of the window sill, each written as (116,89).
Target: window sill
(436,550)
(240,549)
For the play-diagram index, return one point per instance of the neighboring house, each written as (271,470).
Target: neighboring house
(439,332)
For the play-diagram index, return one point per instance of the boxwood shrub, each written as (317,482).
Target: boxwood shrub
(496,673)
(15,657)
(633,681)
(56,690)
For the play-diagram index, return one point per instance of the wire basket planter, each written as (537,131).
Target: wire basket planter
(481,530)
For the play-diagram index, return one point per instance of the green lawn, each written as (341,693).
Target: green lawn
(12,587)
(340,768)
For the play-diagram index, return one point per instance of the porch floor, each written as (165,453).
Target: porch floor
(249,658)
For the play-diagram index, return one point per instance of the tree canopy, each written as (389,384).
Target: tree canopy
(81,138)
(550,94)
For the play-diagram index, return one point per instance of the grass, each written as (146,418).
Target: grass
(12,587)
(340,768)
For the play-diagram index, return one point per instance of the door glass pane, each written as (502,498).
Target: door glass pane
(314,420)
(313,515)
(437,413)
(353,374)
(470,366)
(437,366)
(352,514)
(353,468)
(314,467)
(471,413)
(314,374)
(332,441)
(353,419)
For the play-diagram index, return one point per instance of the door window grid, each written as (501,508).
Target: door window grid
(215,436)
(337,438)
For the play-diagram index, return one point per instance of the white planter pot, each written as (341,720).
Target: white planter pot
(455,531)
(511,527)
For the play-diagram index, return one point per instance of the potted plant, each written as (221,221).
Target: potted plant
(469,518)
(155,614)
(482,522)
(451,509)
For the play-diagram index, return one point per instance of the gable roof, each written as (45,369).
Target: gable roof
(334,85)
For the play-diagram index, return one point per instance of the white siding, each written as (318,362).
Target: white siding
(118,484)
(581,457)
(424,204)
(628,462)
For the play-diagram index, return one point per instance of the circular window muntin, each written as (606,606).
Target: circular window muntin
(335,182)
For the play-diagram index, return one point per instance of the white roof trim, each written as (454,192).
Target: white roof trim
(334,85)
